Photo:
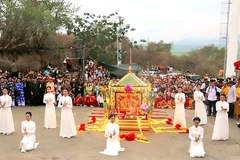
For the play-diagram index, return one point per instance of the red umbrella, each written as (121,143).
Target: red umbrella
(237,65)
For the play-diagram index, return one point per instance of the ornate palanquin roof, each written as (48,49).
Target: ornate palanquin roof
(131,79)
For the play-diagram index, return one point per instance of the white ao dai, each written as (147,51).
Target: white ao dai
(113,144)
(68,126)
(50,112)
(179,114)
(200,110)
(196,148)
(29,140)
(6,116)
(221,126)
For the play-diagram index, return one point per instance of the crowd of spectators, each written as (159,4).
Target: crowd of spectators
(28,88)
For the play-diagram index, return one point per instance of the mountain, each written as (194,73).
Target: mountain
(196,41)
(186,45)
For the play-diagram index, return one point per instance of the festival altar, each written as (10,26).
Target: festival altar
(126,98)
(128,94)
(130,99)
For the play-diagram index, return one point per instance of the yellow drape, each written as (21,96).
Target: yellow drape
(236,107)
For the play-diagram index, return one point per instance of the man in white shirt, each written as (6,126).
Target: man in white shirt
(100,99)
(204,86)
(211,94)
(231,98)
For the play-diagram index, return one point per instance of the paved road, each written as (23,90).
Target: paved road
(163,146)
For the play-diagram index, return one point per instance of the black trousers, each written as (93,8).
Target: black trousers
(101,105)
(212,105)
(34,100)
(231,110)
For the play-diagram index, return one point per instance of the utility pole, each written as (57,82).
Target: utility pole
(119,44)
(148,70)
(83,63)
(131,48)
(117,49)
(81,56)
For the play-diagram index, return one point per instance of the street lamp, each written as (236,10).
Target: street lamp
(81,56)
(119,43)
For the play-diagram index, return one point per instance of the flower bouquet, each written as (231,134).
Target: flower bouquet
(144,109)
(128,88)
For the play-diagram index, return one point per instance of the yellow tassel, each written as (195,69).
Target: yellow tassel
(142,141)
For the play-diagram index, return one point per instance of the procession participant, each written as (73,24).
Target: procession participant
(50,112)
(78,100)
(212,93)
(67,127)
(237,103)
(59,96)
(179,115)
(100,99)
(196,149)
(158,100)
(113,143)
(26,91)
(20,99)
(42,90)
(34,92)
(3,84)
(80,87)
(98,89)
(225,88)
(28,129)
(11,89)
(221,126)
(50,83)
(88,89)
(104,90)
(6,116)
(231,98)
(74,88)
(200,110)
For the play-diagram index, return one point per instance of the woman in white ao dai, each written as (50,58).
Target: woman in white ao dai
(6,116)
(179,114)
(221,126)
(200,110)
(50,112)
(68,126)
(196,132)
(28,129)
(113,143)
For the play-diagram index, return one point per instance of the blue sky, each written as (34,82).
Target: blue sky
(169,20)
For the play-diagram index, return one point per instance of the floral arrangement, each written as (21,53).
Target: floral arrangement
(128,88)
(184,132)
(169,121)
(144,107)
(92,120)
(81,127)
(129,137)
(133,137)
(178,126)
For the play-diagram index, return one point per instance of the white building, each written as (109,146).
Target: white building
(233,34)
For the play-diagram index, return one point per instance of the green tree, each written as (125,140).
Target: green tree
(99,34)
(206,60)
(161,46)
(29,24)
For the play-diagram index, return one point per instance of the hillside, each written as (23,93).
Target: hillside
(186,45)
